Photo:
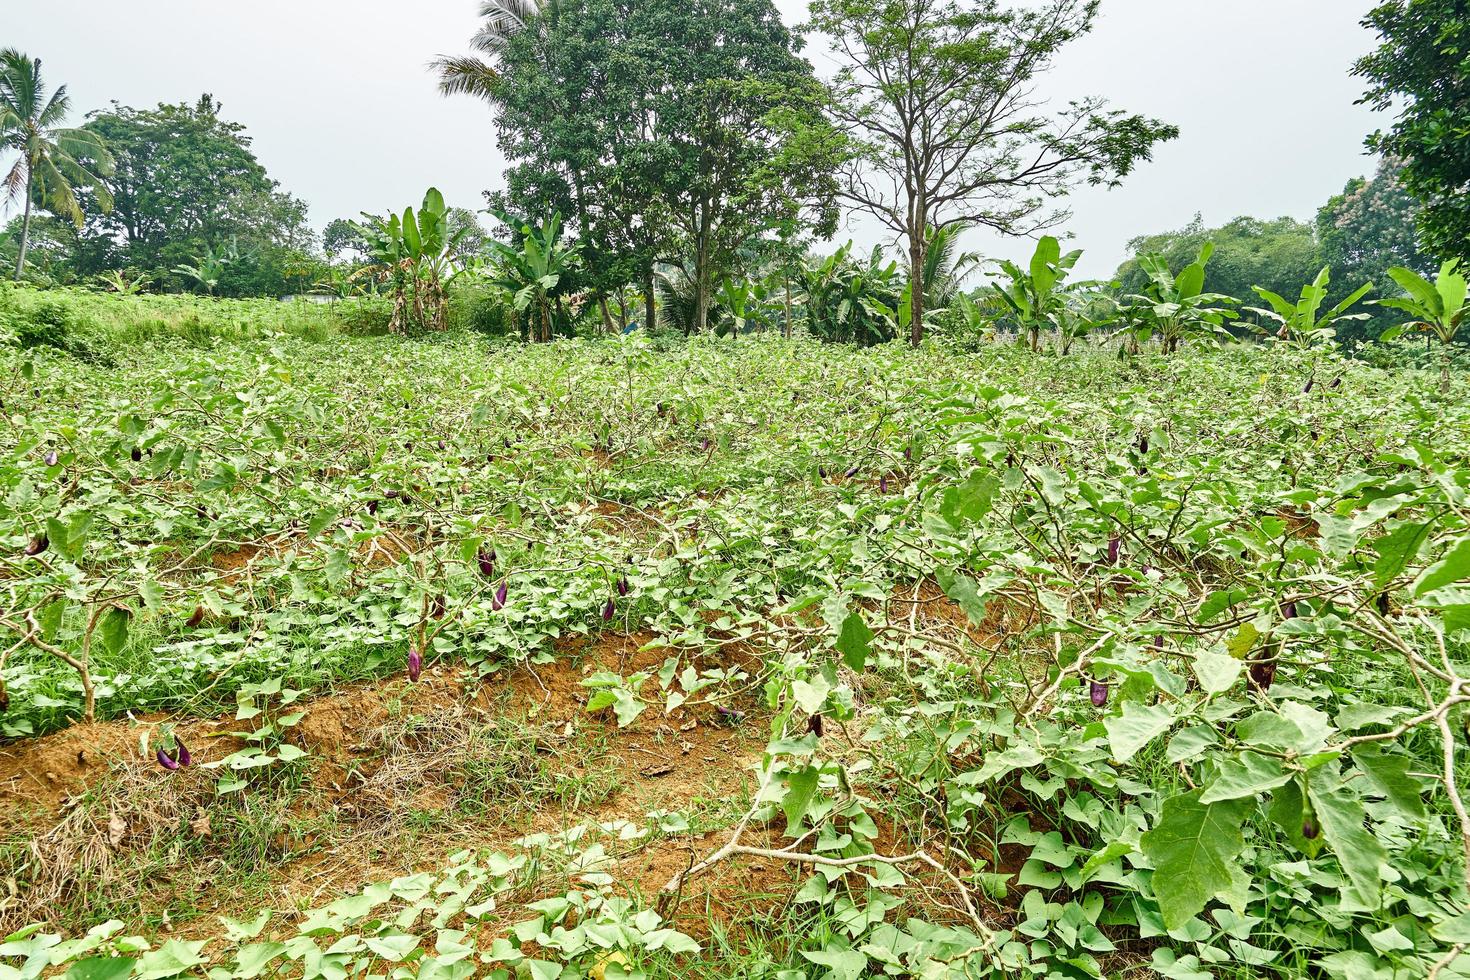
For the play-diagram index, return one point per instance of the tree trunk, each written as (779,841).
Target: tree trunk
(649,310)
(916,285)
(607,324)
(788,307)
(25,232)
(701,273)
(1444,370)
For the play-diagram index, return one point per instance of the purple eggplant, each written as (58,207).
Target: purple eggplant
(497,603)
(814,725)
(1382,603)
(486,561)
(37,545)
(1336,381)
(908,454)
(184,758)
(1288,610)
(165,760)
(1307,388)
(415,664)
(623,586)
(51,458)
(822,472)
(372,507)
(1098,692)
(1309,829)
(438,606)
(852,472)
(195,618)
(882,484)
(608,610)
(1114,544)
(1262,673)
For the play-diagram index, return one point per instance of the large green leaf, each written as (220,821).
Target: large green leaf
(1193,848)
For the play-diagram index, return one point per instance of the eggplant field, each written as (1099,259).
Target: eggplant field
(750,657)
(746,490)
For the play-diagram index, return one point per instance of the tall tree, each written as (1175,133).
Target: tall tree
(1422,68)
(1364,232)
(657,128)
(52,161)
(187,179)
(940,97)
(1279,254)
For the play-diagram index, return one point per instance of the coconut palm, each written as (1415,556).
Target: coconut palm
(945,267)
(471,75)
(53,160)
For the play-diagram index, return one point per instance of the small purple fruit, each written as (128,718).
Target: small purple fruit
(195,619)
(1288,610)
(498,602)
(185,759)
(372,507)
(136,454)
(165,761)
(814,725)
(1098,691)
(51,458)
(415,664)
(486,561)
(822,472)
(1309,829)
(608,610)
(1336,381)
(38,544)
(882,484)
(852,472)
(1311,382)
(908,453)
(1114,543)
(1262,673)
(623,586)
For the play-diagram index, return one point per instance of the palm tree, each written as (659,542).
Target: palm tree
(50,167)
(503,20)
(945,267)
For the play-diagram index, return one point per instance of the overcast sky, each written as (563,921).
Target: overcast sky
(344,112)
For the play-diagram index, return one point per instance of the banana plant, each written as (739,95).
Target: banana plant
(537,271)
(1298,323)
(1175,306)
(208,268)
(414,255)
(1035,296)
(852,302)
(1437,308)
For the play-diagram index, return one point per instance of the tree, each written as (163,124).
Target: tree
(414,256)
(1421,68)
(187,179)
(1300,323)
(53,161)
(538,271)
(342,235)
(1365,231)
(1037,296)
(939,97)
(1176,306)
(657,128)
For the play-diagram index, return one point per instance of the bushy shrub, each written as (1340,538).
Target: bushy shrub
(482,310)
(364,315)
(1417,351)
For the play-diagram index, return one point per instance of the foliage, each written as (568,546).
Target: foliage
(53,162)
(538,273)
(1124,668)
(935,96)
(1299,322)
(1365,231)
(414,255)
(1036,297)
(853,302)
(1438,308)
(1418,69)
(186,180)
(1175,306)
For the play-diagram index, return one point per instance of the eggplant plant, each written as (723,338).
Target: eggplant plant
(1437,308)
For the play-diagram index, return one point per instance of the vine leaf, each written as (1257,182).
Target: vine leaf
(1136,727)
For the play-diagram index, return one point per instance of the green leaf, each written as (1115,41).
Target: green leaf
(801,787)
(853,641)
(1135,727)
(1453,567)
(1246,775)
(113,629)
(1341,815)
(1388,773)
(101,968)
(1193,848)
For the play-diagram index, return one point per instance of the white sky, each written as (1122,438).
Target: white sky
(345,114)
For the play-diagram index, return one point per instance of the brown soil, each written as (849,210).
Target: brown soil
(662,762)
